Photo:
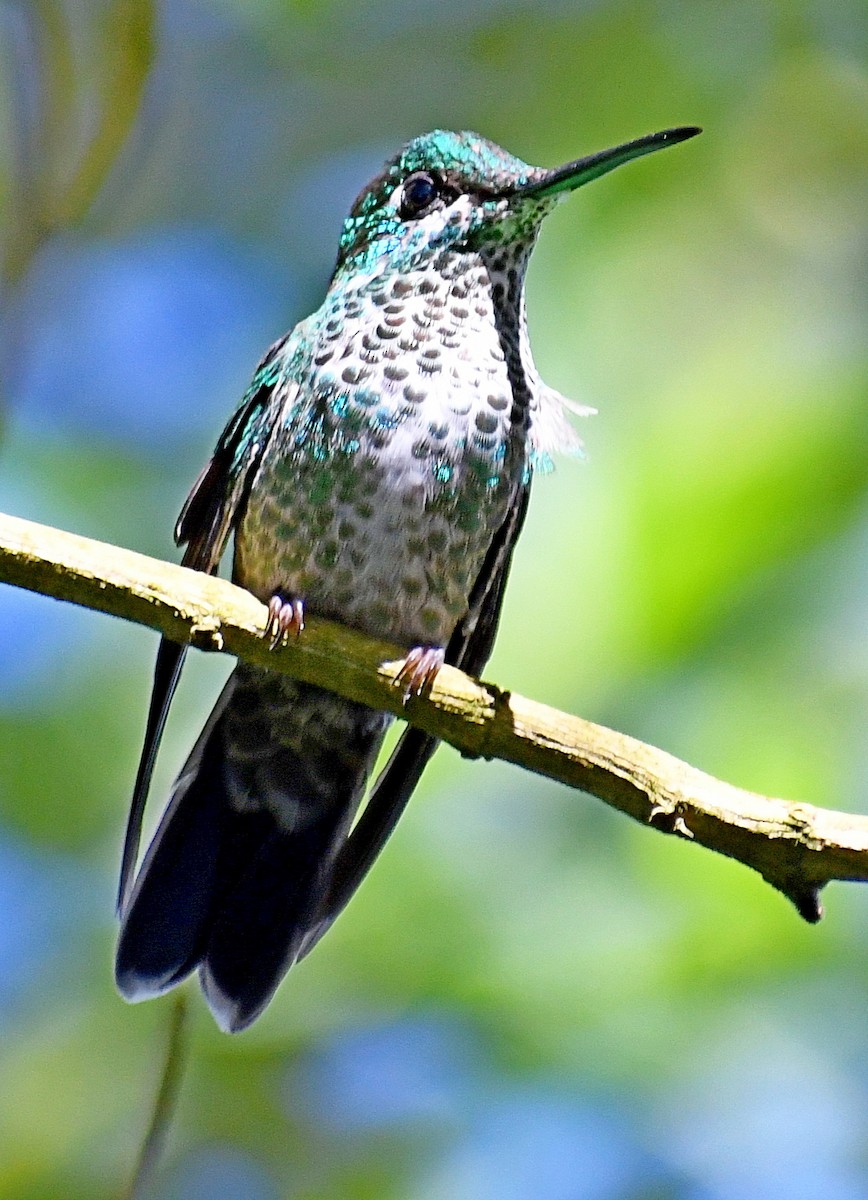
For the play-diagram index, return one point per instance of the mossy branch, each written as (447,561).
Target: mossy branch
(796,847)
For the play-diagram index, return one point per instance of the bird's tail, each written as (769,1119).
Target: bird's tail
(242,859)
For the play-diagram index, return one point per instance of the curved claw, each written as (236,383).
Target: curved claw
(419,670)
(285,617)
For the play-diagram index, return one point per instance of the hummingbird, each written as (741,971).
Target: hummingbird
(377,473)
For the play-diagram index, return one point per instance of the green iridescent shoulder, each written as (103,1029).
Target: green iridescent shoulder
(283,366)
(286,360)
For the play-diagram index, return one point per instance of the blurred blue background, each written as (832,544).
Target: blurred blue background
(530,997)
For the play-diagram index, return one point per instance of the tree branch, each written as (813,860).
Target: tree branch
(797,848)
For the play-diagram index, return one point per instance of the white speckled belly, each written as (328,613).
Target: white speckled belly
(395,463)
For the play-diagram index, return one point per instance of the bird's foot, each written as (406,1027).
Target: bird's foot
(419,670)
(285,617)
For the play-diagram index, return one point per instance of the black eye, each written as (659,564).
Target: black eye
(419,191)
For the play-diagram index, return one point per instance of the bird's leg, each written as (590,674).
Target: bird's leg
(419,670)
(285,616)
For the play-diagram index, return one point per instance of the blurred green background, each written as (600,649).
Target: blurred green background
(531,997)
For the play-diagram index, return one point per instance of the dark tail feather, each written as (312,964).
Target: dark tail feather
(165,921)
(167,672)
(262,922)
(226,886)
(381,814)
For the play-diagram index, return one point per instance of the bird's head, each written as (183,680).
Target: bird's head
(458,191)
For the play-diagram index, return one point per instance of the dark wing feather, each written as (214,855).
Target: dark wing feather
(469,649)
(212,509)
(217,497)
(167,672)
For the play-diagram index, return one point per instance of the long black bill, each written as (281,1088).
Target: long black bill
(583,170)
